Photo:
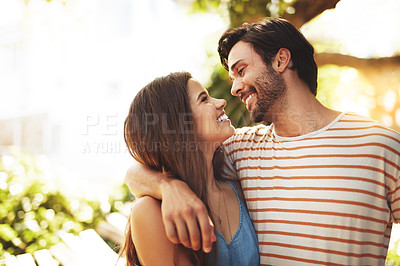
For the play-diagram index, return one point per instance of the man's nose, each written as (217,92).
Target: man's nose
(237,87)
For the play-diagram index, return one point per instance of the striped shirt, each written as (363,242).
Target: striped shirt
(327,197)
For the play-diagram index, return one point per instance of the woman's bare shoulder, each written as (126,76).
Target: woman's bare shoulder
(149,237)
(145,202)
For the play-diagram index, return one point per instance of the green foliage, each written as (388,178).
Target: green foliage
(393,256)
(32,212)
(240,11)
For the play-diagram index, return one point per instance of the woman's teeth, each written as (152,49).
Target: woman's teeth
(222,118)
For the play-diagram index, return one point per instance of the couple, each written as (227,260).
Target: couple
(320,186)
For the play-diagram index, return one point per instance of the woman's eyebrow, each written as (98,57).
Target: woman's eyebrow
(200,95)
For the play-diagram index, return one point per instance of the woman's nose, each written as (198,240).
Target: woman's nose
(220,103)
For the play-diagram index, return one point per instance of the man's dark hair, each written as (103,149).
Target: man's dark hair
(266,38)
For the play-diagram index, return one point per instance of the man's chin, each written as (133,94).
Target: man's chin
(257,117)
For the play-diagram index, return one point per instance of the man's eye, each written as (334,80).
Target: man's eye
(204,99)
(240,71)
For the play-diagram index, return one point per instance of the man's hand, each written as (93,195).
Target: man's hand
(185,217)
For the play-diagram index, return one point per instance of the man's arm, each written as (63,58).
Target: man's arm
(183,212)
(143,181)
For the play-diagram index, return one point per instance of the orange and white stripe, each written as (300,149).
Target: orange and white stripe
(328,197)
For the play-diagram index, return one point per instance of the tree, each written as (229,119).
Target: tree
(33,211)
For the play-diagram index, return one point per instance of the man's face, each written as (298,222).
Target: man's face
(259,86)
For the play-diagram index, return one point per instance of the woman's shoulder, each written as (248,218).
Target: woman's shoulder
(145,209)
(146,216)
(146,201)
(149,237)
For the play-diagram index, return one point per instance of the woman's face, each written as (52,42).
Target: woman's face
(211,123)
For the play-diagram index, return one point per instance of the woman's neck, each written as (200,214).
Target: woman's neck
(211,182)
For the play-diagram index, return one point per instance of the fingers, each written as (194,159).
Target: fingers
(171,231)
(207,231)
(182,233)
(186,218)
(176,228)
(187,229)
(192,228)
(194,232)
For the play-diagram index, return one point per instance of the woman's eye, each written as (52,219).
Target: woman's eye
(204,99)
(240,71)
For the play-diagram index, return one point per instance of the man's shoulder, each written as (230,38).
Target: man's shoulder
(354,118)
(357,125)
(353,121)
(248,135)
(259,129)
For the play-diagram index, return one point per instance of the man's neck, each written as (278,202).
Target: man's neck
(299,118)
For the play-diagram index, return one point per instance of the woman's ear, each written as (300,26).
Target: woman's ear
(282,60)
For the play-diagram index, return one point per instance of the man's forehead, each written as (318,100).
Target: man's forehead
(238,52)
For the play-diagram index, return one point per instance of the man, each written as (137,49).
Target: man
(320,185)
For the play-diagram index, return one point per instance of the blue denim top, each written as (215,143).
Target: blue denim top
(242,250)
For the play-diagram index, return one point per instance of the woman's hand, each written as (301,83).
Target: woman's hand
(185,217)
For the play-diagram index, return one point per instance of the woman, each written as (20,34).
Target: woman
(174,126)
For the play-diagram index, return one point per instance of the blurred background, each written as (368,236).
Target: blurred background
(69,70)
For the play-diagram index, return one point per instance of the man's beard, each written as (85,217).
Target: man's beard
(270,88)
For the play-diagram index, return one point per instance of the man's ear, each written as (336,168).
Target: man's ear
(282,60)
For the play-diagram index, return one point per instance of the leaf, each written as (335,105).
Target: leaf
(7,233)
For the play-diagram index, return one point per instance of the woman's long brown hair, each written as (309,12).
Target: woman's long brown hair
(159,132)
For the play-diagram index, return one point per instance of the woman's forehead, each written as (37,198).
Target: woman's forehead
(194,89)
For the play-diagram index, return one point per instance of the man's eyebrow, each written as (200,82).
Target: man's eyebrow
(200,95)
(235,64)
(233,67)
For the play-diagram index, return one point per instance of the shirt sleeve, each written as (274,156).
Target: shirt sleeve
(232,143)
(229,169)
(243,138)
(392,172)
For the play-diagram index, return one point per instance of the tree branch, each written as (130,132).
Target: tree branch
(305,10)
(363,64)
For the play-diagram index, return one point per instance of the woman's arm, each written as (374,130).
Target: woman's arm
(148,234)
(184,215)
